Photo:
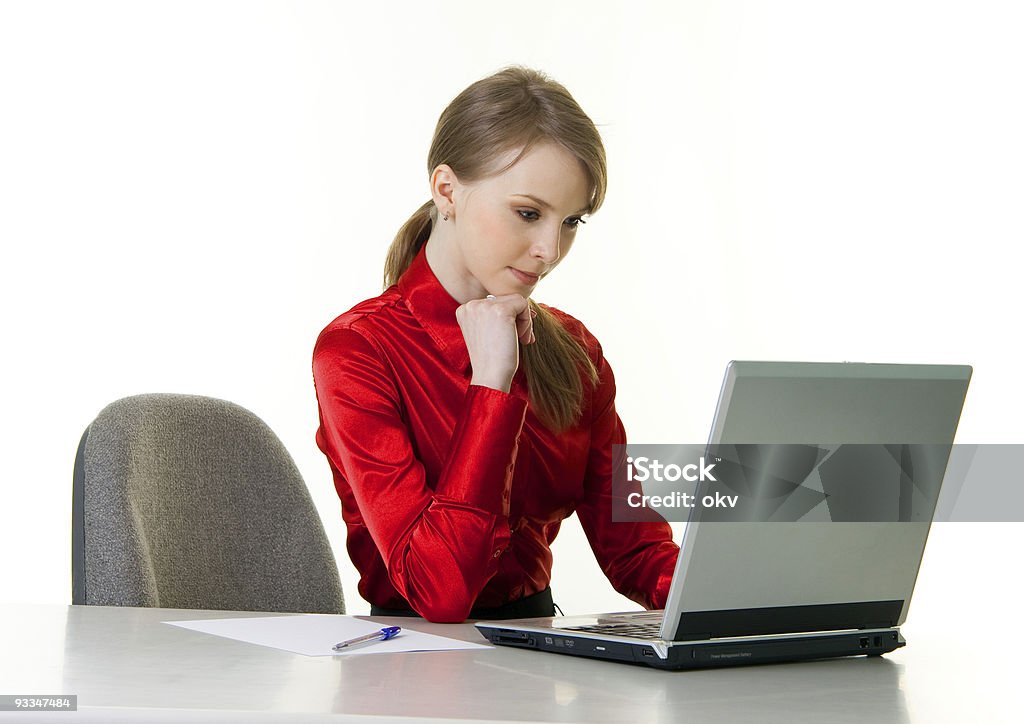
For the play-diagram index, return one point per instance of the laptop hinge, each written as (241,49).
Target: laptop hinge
(695,625)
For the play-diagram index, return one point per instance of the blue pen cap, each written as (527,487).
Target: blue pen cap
(389,632)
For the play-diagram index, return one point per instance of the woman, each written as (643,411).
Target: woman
(462,421)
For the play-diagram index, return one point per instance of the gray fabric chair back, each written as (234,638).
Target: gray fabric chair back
(183,501)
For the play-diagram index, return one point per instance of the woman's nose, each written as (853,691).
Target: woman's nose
(546,248)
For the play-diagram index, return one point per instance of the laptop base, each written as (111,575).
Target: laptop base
(700,654)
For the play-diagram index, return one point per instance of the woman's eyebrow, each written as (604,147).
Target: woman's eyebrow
(546,205)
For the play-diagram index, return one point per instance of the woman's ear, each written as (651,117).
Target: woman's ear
(443,183)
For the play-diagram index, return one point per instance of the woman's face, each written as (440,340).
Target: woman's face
(510,230)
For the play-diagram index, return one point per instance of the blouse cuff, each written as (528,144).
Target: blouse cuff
(661,590)
(483,450)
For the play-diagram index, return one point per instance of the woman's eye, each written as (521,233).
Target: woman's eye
(572,223)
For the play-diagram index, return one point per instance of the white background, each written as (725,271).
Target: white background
(190,191)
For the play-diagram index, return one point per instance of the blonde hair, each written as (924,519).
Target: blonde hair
(516,108)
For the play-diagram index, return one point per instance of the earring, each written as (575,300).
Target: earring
(446,215)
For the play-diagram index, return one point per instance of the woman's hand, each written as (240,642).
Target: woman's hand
(493,329)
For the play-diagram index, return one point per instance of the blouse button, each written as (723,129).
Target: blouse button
(497,553)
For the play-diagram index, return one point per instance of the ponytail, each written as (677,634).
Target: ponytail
(556,366)
(408,242)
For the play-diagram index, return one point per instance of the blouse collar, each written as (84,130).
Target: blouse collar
(434,308)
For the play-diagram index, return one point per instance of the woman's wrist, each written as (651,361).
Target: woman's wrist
(499,382)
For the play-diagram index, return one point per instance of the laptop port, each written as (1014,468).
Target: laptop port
(864,642)
(648,653)
(512,637)
(878,641)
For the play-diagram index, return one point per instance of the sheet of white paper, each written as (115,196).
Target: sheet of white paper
(313,634)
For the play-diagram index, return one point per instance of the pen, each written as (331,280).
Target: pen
(384,634)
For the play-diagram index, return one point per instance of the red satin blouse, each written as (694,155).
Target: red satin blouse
(452,493)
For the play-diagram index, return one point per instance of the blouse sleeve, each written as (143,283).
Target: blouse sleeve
(440,545)
(638,558)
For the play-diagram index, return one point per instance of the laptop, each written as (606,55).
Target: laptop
(759,591)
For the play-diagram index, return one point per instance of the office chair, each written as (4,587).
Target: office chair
(181,501)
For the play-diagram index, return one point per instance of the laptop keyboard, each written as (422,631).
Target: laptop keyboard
(632,630)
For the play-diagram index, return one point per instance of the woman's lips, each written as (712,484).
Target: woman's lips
(525,277)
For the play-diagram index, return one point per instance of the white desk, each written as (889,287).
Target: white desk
(125,666)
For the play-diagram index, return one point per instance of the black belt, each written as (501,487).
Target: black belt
(539,604)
